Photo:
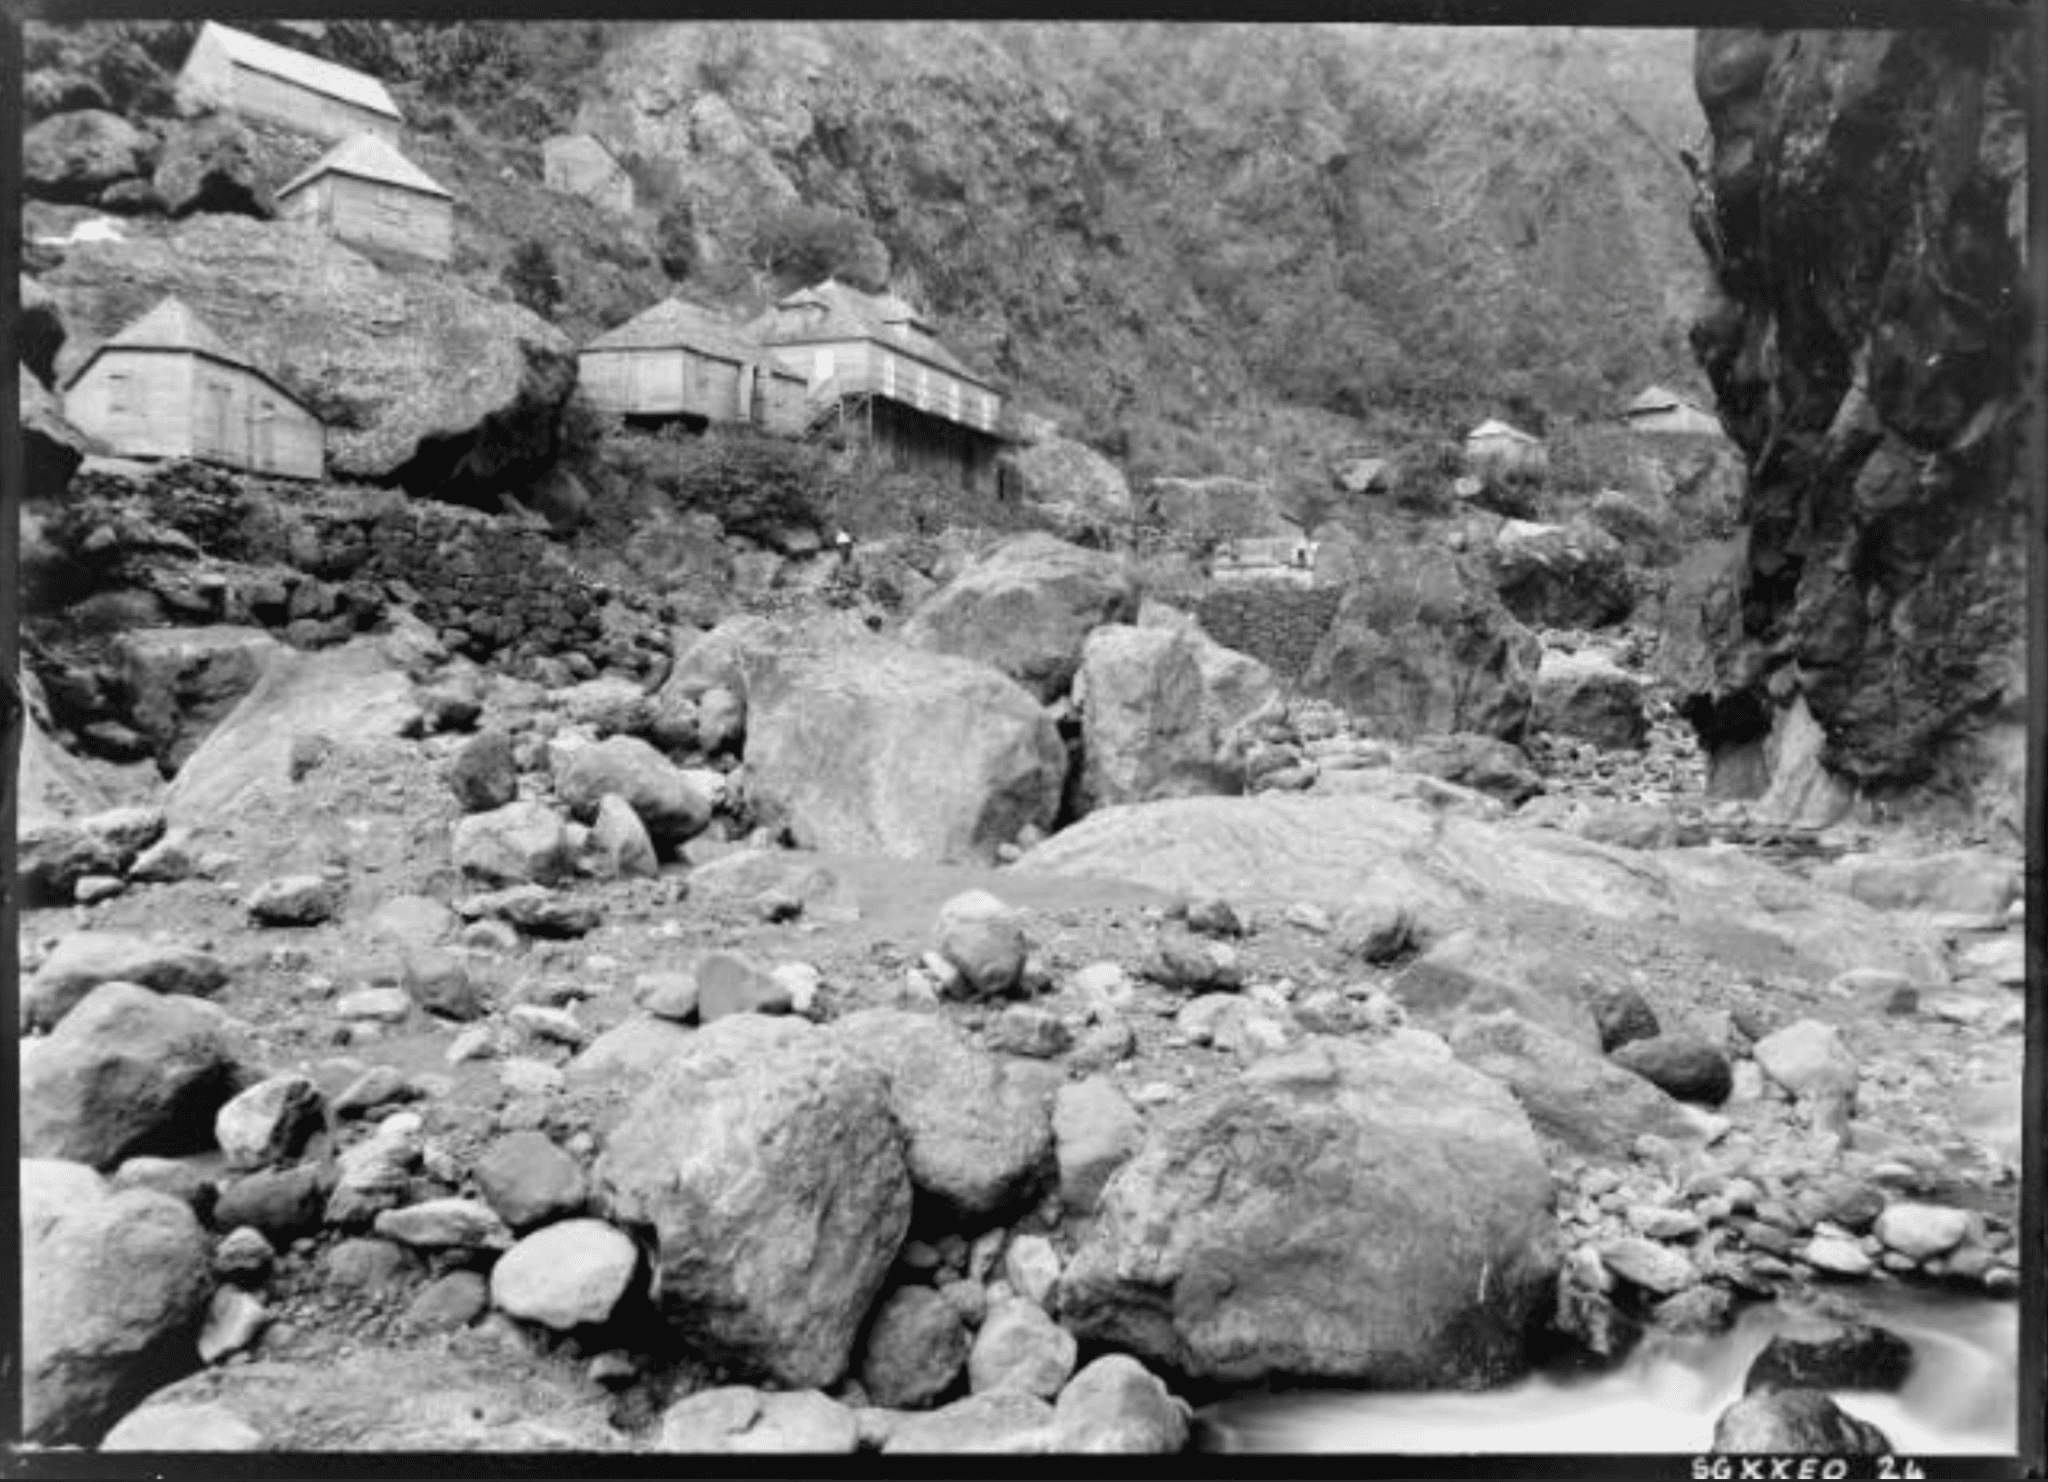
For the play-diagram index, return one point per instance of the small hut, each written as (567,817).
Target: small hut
(580,165)
(232,70)
(364,191)
(1661,411)
(168,386)
(679,361)
(1496,453)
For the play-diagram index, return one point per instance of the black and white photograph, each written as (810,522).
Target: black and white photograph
(744,743)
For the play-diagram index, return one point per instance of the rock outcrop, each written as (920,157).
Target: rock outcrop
(1865,210)
(1026,609)
(1271,1227)
(418,379)
(120,1283)
(1159,714)
(879,748)
(765,1168)
(1423,647)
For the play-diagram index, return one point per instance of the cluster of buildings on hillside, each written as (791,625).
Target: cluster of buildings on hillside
(827,357)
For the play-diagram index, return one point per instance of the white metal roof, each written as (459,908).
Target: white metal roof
(369,157)
(309,72)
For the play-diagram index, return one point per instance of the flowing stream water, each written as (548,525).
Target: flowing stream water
(1961,1398)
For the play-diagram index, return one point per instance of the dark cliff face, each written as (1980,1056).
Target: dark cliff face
(1865,214)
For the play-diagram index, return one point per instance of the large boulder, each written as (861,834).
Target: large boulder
(74,156)
(876,748)
(766,1171)
(1331,851)
(87,959)
(668,804)
(1588,697)
(737,1418)
(1795,1422)
(1590,1104)
(181,682)
(1561,576)
(1159,712)
(51,449)
(352,695)
(212,164)
(369,351)
(114,1287)
(977,1129)
(127,1071)
(1073,485)
(1026,608)
(1420,645)
(1323,1217)
(1471,974)
(1970,882)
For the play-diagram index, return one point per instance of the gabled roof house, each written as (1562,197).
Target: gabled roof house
(168,386)
(240,73)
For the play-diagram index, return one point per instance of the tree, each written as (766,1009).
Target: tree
(803,244)
(675,240)
(532,278)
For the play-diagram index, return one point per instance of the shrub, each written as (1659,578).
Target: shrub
(803,244)
(532,278)
(675,241)
(755,484)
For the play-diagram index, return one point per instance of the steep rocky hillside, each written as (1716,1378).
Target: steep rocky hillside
(1868,220)
(1163,232)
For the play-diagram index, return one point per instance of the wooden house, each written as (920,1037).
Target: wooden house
(364,191)
(680,361)
(239,73)
(1666,412)
(167,386)
(1498,453)
(874,368)
(580,165)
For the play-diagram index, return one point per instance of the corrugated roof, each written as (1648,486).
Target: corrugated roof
(672,323)
(308,72)
(369,157)
(1494,427)
(849,314)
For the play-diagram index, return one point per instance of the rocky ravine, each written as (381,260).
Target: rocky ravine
(1867,225)
(497,1040)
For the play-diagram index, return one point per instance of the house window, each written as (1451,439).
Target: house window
(120,394)
(389,211)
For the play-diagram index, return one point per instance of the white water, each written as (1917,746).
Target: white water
(1962,1396)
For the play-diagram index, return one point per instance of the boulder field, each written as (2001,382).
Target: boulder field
(492,1071)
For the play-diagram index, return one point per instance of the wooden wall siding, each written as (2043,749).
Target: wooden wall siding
(917,442)
(159,404)
(850,367)
(780,404)
(373,214)
(210,78)
(139,405)
(667,382)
